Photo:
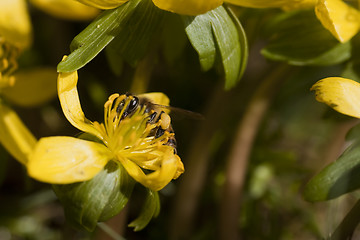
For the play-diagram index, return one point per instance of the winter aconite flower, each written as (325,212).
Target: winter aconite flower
(342,20)
(186,7)
(133,134)
(29,87)
(341,94)
(15,35)
(66,9)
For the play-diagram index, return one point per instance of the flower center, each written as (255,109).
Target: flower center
(133,125)
(8,63)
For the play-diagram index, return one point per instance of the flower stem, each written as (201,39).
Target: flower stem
(142,74)
(197,161)
(236,167)
(110,232)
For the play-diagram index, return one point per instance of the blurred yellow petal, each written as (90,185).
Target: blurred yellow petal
(70,103)
(188,7)
(156,97)
(64,160)
(103,4)
(341,94)
(66,9)
(168,167)
(287,4)
(15,24)
(342,20)
(14,135)
(41,81)
(302,4)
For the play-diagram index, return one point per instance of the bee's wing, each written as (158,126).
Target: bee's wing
(180,113)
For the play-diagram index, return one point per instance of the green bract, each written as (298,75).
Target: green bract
(338,178)
(218,35)
(129,29)
(298,38)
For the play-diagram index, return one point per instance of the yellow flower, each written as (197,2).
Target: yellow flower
(15,26)
(286,4)
(66,9)
(133,134)
(14,135)
(186,7)
(342,20)
(16,30)
(15,36)
(341,94)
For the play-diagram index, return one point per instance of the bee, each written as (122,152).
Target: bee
(159,112)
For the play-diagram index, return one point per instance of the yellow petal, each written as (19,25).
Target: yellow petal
(188,7)
(342,20)
(341,94)
(66,9)
(166,167)
(14,135)
(103,4)
(302,4)
(41,81)
(64,160)
(15,24)
(287,4)
(70,103)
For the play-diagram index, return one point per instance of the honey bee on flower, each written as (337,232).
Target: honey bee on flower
(135,134)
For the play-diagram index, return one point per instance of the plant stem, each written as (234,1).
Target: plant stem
(196,165)
(114,235)
(236,167)
(114,227)
(142,74)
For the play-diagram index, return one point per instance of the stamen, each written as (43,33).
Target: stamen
(132,126)
(8,63)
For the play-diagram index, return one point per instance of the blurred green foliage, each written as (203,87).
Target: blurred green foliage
(295,138)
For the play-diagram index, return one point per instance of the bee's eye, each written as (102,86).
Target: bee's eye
(132,105)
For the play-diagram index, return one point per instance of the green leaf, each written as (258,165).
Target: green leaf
(218,34)
(98,199)
(298,38)
(338,178)
(151,208)
(231,41)
(198,30)
(353,133)
(352,68)
(134,39)
(97,36)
